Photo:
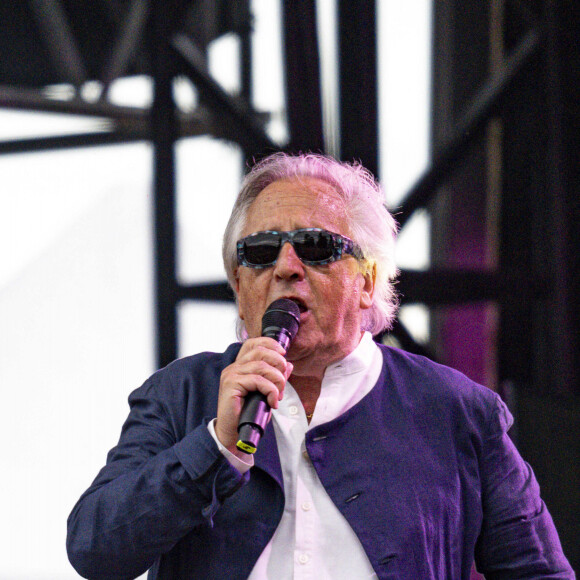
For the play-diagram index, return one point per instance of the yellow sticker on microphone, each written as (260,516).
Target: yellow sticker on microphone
(245,447)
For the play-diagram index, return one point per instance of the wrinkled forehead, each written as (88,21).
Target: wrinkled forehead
(300,202)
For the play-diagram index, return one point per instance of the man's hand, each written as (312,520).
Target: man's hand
(259,366)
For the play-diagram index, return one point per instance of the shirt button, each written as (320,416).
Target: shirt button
(303,558)
(293,410)
(306,506)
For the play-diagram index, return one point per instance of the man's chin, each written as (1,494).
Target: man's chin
(298,351)
(303,350)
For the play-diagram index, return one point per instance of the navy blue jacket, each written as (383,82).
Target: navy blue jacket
(421,468)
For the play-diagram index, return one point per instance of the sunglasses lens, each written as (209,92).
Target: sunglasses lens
(314,246)
(262,249)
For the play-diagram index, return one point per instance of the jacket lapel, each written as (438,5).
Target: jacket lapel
(267,458)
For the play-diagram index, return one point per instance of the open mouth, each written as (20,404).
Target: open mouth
(300,304)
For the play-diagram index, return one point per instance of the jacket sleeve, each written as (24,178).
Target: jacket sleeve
(518,538)
(154,489)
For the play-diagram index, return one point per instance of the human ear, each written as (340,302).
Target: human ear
(237,291)
(369,276)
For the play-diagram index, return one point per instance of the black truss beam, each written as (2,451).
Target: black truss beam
(35,100)
(302,74)
(469,128)
(134,127)
(164,135)
(562,328)
(105,137)
(245,126)
(221,292)
(447,287)
(429,287)
(59,142)
(358,83)
(212,291)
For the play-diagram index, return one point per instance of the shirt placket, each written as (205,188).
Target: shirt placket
(305,546)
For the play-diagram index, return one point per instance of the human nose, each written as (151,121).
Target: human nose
(288,265)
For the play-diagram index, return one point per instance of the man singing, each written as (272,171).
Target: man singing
(375,463)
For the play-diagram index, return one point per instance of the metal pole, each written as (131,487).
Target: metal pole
(164,135)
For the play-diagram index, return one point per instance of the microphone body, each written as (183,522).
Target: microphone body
(280,322)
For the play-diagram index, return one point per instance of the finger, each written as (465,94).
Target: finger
(263,368)
(254,382)
(274,358)
(238,377)
(289,369)
(261,342)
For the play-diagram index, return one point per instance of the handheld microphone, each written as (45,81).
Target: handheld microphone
(280,322)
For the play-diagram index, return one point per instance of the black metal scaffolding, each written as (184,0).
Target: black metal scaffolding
(505,135)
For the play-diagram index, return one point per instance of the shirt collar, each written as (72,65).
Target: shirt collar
(345,382)
(358,360)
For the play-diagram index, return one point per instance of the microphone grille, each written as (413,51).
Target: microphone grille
(282,313)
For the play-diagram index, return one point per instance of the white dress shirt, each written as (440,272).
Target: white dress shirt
(313,539)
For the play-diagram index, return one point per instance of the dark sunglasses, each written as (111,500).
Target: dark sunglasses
(313,246)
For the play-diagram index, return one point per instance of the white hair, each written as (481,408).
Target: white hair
(372,227)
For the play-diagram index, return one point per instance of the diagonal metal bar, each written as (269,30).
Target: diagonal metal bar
(59,40)
(468,128)
(131,35)
(246,127)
